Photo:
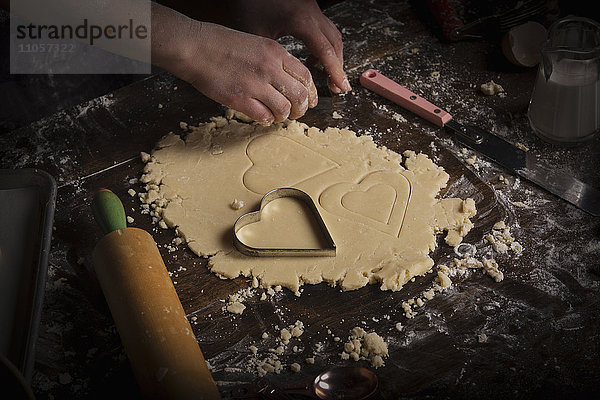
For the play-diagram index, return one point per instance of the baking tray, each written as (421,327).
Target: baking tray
(27,201)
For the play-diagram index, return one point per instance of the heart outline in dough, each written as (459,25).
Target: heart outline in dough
(271,169)
(331,199)
(252,217)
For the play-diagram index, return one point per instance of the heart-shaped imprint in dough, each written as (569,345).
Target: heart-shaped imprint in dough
(379,201)
(278,161)
(381,198)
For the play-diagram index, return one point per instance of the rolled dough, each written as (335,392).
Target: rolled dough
(381,208)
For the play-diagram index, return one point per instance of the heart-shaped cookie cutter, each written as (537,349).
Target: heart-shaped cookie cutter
(328,251)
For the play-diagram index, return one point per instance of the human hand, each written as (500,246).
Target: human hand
(302,19)
(248,73)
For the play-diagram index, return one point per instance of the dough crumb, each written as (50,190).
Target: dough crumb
(292,331)
(408,311)
(216,149)
(285,336)
(233,114)
(145,157)
(398,117)
(295,367)
(365,346)
(130,219)
(491,268)
(499,225)
(336,115)
(444,280)
(482,338)
(310,360)
(521,146)
(237,204)
(236,307)
(270,364)
(461,266)
(131,192)
(472,162)
(502,240)
(235,301)
(491,88)
(468,207)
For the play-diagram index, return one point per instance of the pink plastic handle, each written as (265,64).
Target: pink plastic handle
(391,90)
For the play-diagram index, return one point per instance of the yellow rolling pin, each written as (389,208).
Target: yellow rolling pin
(157,337)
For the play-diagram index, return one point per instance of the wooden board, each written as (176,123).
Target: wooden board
(531,319)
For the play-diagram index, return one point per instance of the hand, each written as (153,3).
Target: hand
(248,73)
(302,19)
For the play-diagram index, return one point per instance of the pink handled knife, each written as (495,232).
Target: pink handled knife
(389,89)
(516,160)
(400,95)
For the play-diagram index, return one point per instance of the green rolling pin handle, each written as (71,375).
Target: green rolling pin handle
(108,211)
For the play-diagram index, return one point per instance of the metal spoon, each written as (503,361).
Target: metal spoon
(338,383)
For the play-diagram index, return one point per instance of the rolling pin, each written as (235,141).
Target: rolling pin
(158,339)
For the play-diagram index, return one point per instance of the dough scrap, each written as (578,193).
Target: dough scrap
(381,208)
(365,346)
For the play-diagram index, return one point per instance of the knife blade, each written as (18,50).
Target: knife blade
(527,166)
(517,161)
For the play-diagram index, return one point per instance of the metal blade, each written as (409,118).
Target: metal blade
(491,146)
(525,165)
(562,185)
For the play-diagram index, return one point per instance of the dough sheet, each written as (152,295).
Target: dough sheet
(381,208)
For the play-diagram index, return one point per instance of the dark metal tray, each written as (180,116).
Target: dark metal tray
(27,201)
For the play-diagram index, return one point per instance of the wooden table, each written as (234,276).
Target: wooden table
(542,321)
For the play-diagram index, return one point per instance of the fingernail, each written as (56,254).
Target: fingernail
(346,85)
(266,122)
(335,89)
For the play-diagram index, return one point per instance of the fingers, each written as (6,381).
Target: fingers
(326,45)
(297,97)
(256,110)
(279,105)
(334,36)
(268,106)
(295,69)
(275,104)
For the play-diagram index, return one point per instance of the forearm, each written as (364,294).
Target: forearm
(209,11)
(172,33)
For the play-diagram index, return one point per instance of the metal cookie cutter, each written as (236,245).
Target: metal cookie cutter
(328,250)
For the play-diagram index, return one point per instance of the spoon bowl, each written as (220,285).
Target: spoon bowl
(343,383)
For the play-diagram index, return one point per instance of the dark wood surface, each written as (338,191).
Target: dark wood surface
(542,321)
